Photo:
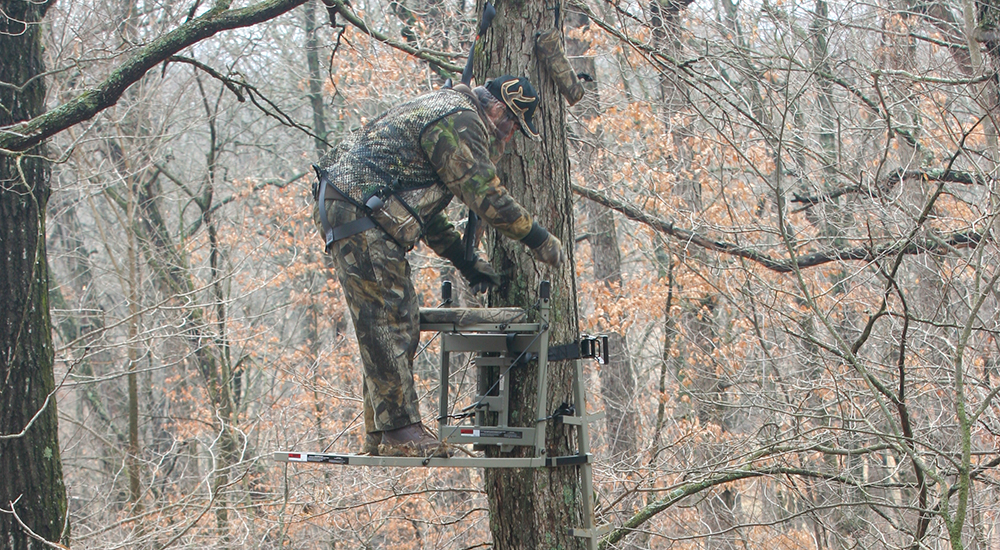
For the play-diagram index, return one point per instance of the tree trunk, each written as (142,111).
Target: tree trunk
(531,509)
(134,352)
(30,467)
(699,318)
(315,79)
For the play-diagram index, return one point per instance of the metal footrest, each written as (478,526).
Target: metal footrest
(411,462)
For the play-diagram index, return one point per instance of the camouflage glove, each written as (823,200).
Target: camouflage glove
(480,275)
(550,251)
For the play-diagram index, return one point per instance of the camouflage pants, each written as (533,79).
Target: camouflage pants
(375,276)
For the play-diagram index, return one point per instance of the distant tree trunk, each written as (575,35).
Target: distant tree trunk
(617,378)
(315,79)
(531,509)
(171,271)
(831,224)
(132,458)
(30,466)
(698,318)
(119,146)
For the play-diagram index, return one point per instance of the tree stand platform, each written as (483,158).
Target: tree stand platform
(501,340)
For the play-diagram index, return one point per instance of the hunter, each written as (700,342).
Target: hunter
(384,188)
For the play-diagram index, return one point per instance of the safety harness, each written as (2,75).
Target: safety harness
(329,191)
(375,201)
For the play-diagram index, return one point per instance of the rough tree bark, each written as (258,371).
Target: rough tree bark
(531,509)
(30,466)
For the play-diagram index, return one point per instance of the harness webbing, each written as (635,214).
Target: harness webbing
(329,191)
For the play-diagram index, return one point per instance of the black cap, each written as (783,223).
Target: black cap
(519,95)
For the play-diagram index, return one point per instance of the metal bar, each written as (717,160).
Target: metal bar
(489,342)
(443,393)
(488,435)
(586,470)
(594,533)
(480,327)
(541,403)
(409,462)
(571,460)
(502,362)
(577,420)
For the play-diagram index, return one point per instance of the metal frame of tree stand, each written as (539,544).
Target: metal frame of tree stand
(500,344)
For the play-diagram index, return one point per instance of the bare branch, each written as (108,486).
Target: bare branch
(693,488)
(970,239)
(435,58)
(233,85)
(897,177)
(24,135)
(28,530)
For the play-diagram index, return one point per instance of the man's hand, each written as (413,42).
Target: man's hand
(550,251)
(480,276)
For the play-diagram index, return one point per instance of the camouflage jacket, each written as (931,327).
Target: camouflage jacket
(457,148)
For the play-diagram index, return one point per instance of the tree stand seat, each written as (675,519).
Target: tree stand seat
(433,317)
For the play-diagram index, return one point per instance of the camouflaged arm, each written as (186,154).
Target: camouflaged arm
(458,148)
(441,235)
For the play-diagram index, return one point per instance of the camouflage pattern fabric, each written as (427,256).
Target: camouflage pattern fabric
(459,150)
(375,277)
(465,316)
(552,54)
(385,153)
(550,251)
(456,149)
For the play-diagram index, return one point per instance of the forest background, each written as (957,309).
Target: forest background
(785,213)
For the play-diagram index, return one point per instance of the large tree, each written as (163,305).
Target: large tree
(32,494)
(31,485)
(538,175)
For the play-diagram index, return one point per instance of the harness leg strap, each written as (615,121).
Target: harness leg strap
(334,234)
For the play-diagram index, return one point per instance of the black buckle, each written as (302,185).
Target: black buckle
(588,347)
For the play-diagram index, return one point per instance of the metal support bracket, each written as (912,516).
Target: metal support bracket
(595,533)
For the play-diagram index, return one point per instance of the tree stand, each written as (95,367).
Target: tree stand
(501,342)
